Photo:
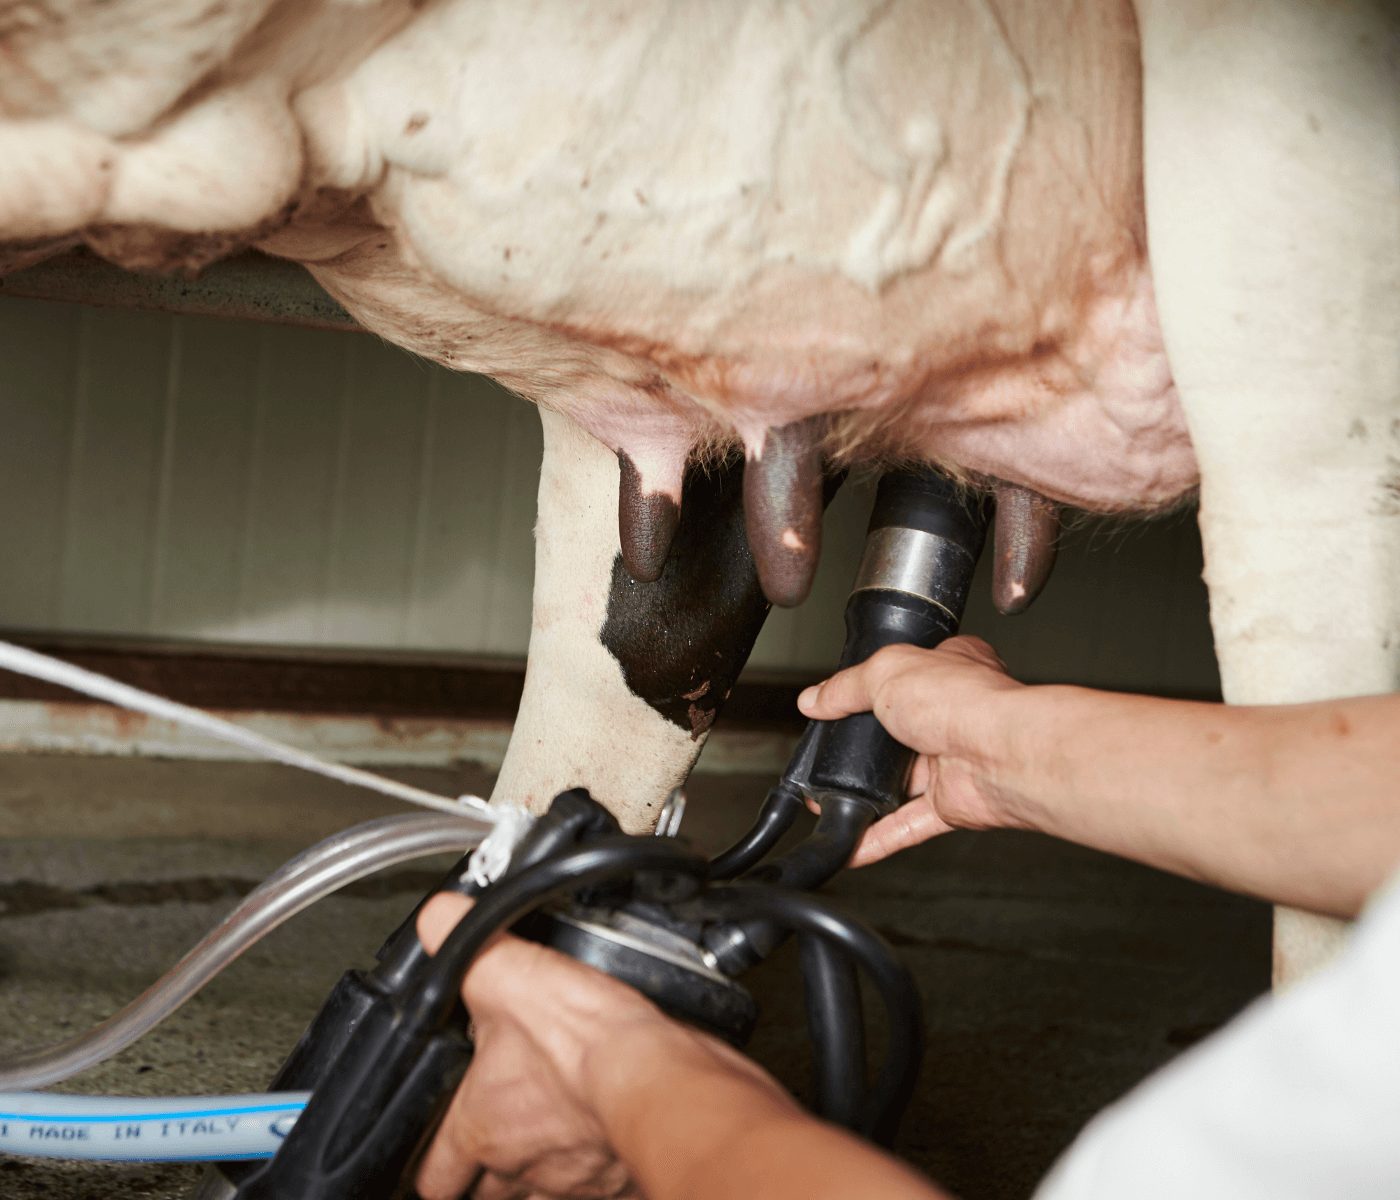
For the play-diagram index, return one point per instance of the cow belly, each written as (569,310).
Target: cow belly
(682,224)
(685,224)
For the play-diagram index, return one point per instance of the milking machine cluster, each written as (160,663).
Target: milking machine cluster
(379,1062)
(390,1044)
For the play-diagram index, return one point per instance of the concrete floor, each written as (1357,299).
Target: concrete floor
(1053,978)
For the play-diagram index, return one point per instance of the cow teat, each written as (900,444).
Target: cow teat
(1027,530)
(783,505)
(646,523)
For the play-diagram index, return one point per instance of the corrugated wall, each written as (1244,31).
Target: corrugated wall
(187,477)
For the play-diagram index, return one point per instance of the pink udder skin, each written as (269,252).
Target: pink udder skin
(1087,416)
(1095,422)
(1096,425)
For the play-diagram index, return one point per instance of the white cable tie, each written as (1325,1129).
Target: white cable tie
(100,687)
(491,858)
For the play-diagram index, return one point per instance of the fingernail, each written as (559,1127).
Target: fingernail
(809,696)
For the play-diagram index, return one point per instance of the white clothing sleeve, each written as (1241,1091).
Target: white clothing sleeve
(1297,1099)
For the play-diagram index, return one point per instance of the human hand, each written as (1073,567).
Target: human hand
(523,1117)
(560,1047)
(948,705)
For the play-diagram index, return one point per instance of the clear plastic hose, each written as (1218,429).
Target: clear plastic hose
(147,1129)
(311,875)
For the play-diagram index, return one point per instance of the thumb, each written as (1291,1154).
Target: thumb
(907,826)
(844,693)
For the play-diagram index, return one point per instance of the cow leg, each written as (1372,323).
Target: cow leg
(1271,149)
(624,677)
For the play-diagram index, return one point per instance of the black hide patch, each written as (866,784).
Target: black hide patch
(683,639)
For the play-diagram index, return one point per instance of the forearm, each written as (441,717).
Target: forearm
(693,1122)
(1299,804)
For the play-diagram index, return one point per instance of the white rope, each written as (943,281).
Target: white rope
(53,670)
(491,858)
